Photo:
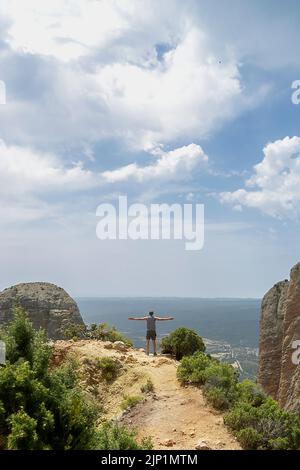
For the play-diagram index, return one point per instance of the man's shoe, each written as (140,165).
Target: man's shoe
(154,354)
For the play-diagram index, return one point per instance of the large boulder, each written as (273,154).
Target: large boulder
(47,305)
(279,375)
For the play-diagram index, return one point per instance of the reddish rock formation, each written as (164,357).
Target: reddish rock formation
(289,387)
(271,338)
(278,374)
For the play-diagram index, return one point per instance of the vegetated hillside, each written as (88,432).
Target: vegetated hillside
(143,391)
(93,391)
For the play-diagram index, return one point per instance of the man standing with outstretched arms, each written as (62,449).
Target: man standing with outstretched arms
(151,329)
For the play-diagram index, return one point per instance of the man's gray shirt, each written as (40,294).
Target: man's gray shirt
(151,324)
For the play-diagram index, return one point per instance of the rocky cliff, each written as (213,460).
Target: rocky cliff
(279,375)
(48,306)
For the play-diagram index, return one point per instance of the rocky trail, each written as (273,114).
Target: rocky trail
(176,417)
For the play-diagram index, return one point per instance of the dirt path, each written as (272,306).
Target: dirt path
(177,417)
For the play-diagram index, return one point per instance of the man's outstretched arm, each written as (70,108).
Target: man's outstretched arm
(137,318)
(164,318)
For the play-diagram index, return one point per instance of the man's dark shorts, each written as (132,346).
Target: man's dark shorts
(151,335)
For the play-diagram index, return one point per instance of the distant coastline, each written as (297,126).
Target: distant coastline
(165,297)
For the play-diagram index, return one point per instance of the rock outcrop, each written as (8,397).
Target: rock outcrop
(48,307)
(279,373)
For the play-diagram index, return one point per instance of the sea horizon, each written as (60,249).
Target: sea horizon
(82,297)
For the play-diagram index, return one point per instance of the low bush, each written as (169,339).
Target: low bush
(129,401)
(148,387)
(274,428)
(182,342)
(249,392)
(75,332)
(249,438)
(219,380)
(102,332)
(116,437)
(220,375)
(217,397)
(109,368)
(191,368)
(105,332)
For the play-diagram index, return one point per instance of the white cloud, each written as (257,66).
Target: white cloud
(275,182)
(36,186)
(28,176)
(177,164)
(71,29)
(114,80)
(187,94)
(24,170)
(63,29)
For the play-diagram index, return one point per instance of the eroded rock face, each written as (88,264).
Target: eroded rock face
(271,337)
(279,329)
(48,306)
(289,386)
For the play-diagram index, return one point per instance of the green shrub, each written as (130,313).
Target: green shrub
(101,332)
(241,416)
(19,338)
(280,443)
(106,333)
(182,342)
(276,427)
(130,401)
(23,433)
(43,408)
(216,397)
(116,437)
(109,367)
(191,368)
(249,438)
(219,379)
(249,392)
(75,332)
(220,375)
(148,387)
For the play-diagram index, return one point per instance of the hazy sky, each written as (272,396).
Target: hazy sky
(162,101)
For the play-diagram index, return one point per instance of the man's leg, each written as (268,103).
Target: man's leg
(147,346)
(154,345)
